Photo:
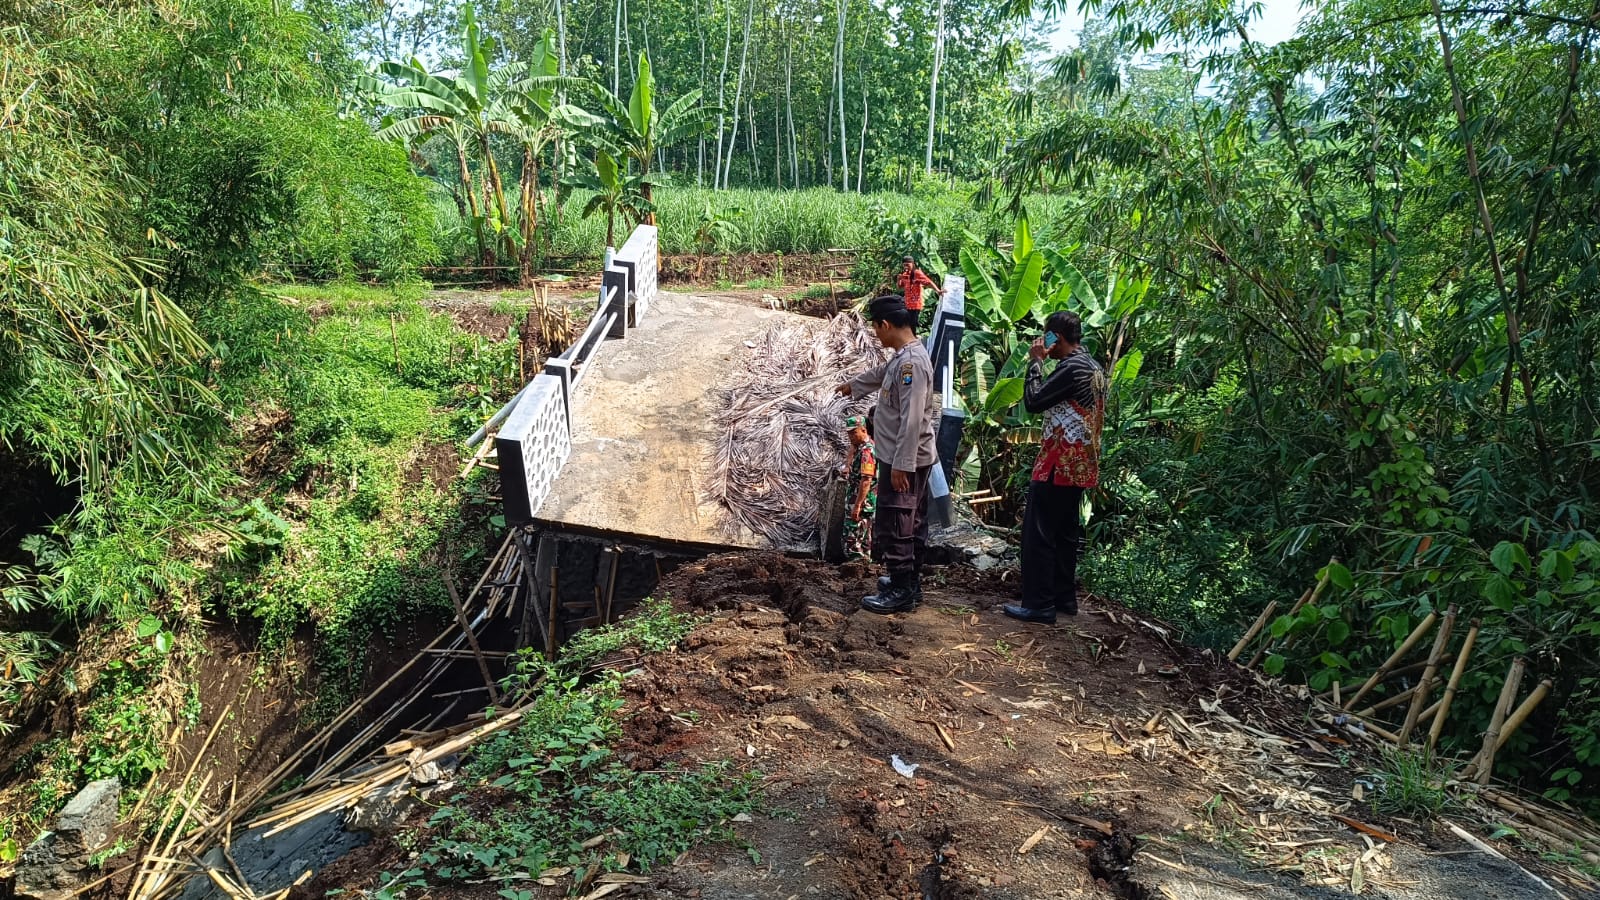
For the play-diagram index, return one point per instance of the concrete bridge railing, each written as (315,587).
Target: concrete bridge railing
(535,438)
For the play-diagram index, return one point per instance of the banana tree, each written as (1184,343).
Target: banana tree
(466,108)
(615,192)
(535,120)
(1009,298)
(634,131)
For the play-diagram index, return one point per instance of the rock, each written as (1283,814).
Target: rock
(84,826)
(984,562)
(57,864)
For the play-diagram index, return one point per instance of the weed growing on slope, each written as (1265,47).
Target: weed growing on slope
(1413,785)
(545,791)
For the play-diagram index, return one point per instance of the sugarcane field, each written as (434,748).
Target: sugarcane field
(709,450)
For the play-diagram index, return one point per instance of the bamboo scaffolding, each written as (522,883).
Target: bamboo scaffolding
(1437,728)
(1425,686)
(1484,764)
(1405,647)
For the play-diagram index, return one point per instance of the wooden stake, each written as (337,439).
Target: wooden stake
(1437,727)
(394,340)
(550,633)
(611,584)
(1250,635)
(1484,764)
(1425,686)
(467,632)
(1411,641)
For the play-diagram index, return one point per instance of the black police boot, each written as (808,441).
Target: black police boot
(885,581)
(897,597)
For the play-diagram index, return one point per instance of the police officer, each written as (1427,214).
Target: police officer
(903,430)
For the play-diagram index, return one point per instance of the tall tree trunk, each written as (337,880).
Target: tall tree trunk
(530,211)
(861,155)
(700,163)
(933,86)
(827,158)
(777,145)
(495,191)
(838,76)
(788,105)
(738,93)
(616,53)
(722,100)
(485,253)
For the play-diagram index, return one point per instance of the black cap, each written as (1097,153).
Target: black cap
(885,305)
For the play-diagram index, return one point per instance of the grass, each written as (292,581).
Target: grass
(310,516)
(789,221)
(1413,784)
(557,782)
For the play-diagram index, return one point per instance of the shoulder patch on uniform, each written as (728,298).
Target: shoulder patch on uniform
(905,373)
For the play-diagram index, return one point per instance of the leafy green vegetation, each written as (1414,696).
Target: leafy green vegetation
(540,794)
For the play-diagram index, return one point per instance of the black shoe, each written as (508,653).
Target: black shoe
(899,596)
(1042,616)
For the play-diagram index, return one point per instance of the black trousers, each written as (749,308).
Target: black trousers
(1051,531)
(900,526)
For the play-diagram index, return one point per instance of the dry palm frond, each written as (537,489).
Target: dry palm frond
(780,426)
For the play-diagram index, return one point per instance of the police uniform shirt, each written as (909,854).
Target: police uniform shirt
(904,420)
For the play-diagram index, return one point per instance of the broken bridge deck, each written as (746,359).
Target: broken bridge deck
(641,441)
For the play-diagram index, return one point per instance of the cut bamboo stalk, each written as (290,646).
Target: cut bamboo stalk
(1250,635)
(1522,712)
(1310,597)
(1437,728)
(1544,818)
(1484,764)
(1336,692)
(1417,635)
(1425,686)
(1389,702)
(611,584)
(472,638)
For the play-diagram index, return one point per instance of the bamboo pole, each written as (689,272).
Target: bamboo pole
(1250,635)
(1409,693)
(1309,598)
(467,632)
(1411,641)
(1437,728)
(1425,686)
(1484,764)
(1522,712)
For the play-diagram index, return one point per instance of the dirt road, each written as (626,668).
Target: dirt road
(1094,758)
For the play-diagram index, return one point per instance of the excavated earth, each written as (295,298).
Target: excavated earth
(1098,757)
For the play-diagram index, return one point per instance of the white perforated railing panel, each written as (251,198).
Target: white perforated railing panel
(642,251)
(532,446)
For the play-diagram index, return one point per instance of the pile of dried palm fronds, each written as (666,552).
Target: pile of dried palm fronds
(779,429)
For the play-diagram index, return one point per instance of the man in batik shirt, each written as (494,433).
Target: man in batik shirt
(1072,400)
(861,499)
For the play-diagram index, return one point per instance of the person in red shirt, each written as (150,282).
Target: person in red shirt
(911,281)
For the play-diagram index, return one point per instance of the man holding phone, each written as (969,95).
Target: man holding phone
(1072,400)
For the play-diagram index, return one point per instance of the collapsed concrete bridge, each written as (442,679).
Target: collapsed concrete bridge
(603,455)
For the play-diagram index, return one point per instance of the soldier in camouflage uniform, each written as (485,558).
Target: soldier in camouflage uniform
(862,483)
